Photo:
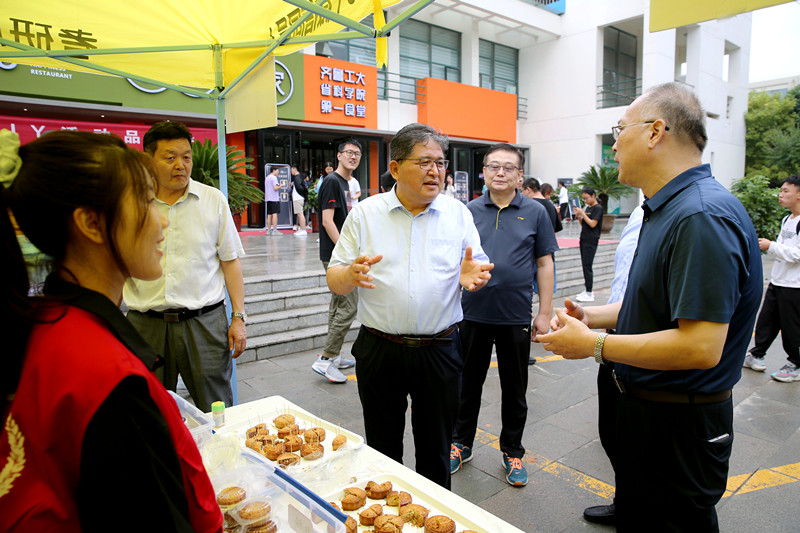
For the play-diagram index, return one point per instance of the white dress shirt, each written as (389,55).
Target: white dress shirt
(201,233)
(623,257)
(417,289)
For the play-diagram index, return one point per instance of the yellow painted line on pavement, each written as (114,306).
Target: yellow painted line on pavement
(763,478)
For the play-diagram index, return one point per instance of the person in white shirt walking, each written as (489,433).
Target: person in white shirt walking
(563,202)
(780,311)
(355,191)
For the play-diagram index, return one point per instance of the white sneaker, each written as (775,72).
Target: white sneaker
(585,297)
(301,233)
(326,368)
(342,363)
(754,363)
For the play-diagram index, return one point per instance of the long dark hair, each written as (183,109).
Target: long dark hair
(61,171)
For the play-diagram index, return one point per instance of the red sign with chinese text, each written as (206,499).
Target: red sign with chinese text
(339,92)
(33,128)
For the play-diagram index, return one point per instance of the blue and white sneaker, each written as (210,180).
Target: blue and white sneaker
(754,363)
(459,454)
(787,374)
(516,475)
(342,363)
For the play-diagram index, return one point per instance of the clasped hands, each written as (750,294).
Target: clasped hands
(571,337)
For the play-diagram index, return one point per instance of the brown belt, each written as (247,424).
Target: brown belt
(179,315)
(419,341)
(664,396)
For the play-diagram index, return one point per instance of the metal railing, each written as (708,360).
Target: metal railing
(395,86)
(522,108)
(620,93)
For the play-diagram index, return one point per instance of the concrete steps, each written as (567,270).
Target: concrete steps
(289,313)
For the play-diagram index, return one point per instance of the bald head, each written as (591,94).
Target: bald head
(679,107)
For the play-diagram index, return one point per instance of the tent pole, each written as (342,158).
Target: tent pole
(222,151)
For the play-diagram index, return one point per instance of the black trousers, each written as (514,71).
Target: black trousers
(388,373)
(513,344)
(780,312)
(672,466)
(588,249)
(607,396)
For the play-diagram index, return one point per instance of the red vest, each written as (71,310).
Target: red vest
(62,385)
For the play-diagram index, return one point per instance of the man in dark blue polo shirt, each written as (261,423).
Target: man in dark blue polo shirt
(683,326)
(517,235)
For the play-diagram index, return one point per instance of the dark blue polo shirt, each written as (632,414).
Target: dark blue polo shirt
(697,259)
(513,237)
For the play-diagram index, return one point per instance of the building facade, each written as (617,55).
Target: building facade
(551,77)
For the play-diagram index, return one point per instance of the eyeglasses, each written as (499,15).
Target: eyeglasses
(351,153)
(616,129)
(494,169)
(427,164)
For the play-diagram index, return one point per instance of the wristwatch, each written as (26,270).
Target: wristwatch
(243,316)
(599,342)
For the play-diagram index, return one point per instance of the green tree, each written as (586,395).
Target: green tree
(205,169)
(605,182)
(761,203)
(784,150)
(770,120)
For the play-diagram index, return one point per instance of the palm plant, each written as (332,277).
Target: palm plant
(605,182)
(205,169)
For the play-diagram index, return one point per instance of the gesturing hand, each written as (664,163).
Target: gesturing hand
(359,271)
(474,275)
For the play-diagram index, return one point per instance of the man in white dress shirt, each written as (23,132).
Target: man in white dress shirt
(181,314)
(409,252)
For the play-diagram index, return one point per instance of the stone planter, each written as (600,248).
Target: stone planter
(608,223)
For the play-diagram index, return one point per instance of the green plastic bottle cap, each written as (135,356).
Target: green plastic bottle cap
(217,406)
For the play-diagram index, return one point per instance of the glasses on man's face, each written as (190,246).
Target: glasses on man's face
(427,164)
(351,153)
(495,168)
(615,130)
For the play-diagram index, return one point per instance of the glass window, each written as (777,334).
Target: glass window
(619,68)
(429,51)
(498,66)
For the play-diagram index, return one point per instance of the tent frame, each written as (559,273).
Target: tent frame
(219,92)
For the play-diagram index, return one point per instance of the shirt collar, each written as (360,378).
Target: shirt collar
(193,188)
(675,185)
(101,307)
(516,201)
(393,202)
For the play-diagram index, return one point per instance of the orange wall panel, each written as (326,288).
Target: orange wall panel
(465,111)
(375,172)
(340,92)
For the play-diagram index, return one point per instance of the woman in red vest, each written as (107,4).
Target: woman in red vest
(90,441)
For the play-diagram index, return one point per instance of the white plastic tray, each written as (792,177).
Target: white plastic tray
(305,421)
(418,496)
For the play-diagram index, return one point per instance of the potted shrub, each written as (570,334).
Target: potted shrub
(312,206)
(205,169)
(605,182)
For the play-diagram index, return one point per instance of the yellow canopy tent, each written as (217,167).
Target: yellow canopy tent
(667,14)
(206,48)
